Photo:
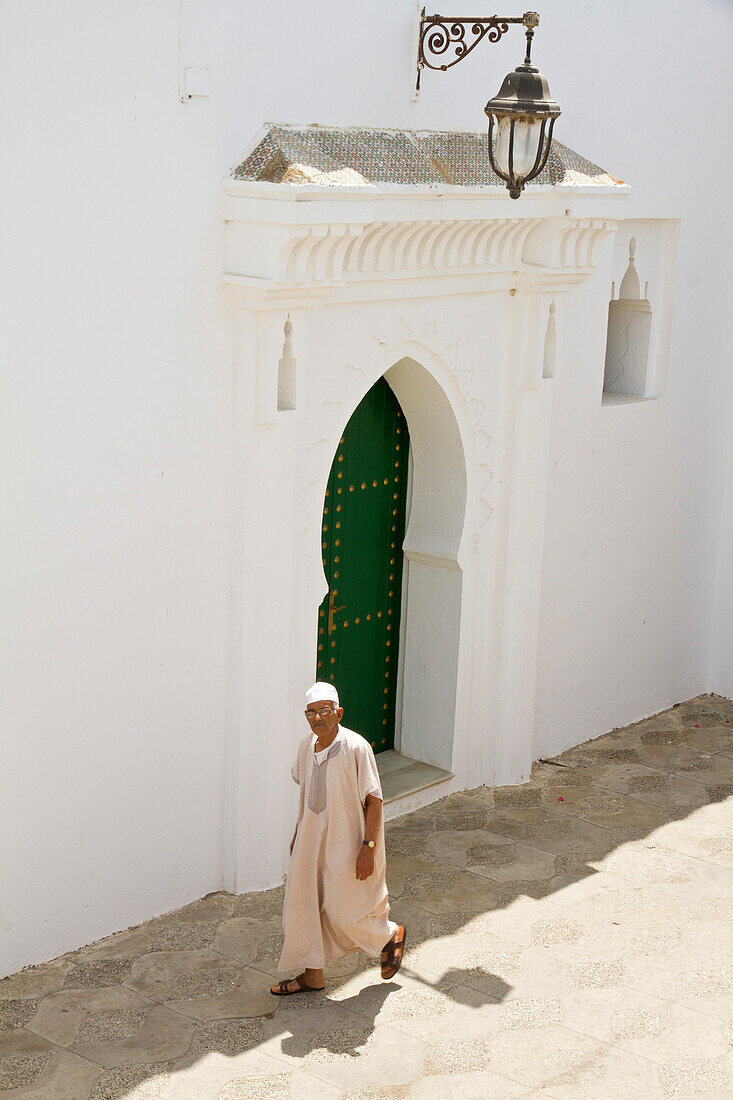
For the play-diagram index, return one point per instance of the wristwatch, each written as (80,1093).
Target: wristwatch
(369,843)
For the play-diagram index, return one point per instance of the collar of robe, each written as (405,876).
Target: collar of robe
(317,789)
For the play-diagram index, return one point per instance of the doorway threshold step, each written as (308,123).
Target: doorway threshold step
(401,775)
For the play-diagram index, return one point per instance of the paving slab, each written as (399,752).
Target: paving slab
(242,937)
(64,1076)
(35,981)
(73,1014)
(481,1085)
(609,1074)
(387,1057)
(216,1076)
(154,1036)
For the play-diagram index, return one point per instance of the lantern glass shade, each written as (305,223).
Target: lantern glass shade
(521,120)
(524,148)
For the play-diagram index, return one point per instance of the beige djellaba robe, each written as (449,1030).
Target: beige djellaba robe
(328,912)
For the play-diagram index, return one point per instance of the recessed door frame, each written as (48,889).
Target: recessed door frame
(431,636)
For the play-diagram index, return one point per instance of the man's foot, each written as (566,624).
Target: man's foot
(391,958)
(303,983)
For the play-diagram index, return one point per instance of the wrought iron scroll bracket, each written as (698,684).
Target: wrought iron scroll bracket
(445,40)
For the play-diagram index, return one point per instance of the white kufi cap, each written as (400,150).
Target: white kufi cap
(320,691)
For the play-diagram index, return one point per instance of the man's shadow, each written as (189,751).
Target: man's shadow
(359,1014)
(363,1008)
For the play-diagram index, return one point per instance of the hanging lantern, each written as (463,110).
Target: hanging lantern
(521,119)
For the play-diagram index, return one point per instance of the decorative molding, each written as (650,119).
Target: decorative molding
(291,246)
(331,258)
(408,248)
(580,242)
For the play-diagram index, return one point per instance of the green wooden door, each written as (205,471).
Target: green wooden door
(363,531)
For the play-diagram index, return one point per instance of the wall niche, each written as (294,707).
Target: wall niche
(286,372)
(549,357)
(628,338)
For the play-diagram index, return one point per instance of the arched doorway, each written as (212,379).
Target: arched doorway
(433,653)
(363,530)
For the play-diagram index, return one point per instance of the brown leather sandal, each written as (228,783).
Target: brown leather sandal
(304,987)
(394,950)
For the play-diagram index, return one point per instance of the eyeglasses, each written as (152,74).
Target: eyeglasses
(322,713)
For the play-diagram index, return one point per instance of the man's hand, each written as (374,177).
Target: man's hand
(365,862)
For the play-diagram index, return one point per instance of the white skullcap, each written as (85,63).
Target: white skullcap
(320,691)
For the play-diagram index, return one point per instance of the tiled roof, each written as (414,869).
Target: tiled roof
(425,158)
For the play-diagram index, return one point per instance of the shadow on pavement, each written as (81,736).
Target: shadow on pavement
(134,1016)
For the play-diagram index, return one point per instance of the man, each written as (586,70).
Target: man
(336,899)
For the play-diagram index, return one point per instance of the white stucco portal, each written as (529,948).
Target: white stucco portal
(448,297)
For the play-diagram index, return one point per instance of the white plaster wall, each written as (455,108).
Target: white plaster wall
(635,492)
(116,404)
(123,677)
(627,564)
(721,642)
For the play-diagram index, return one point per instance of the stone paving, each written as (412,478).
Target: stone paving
(571,937)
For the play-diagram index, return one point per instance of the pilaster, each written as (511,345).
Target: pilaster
(529,466)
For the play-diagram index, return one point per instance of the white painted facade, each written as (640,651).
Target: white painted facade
(162,564)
